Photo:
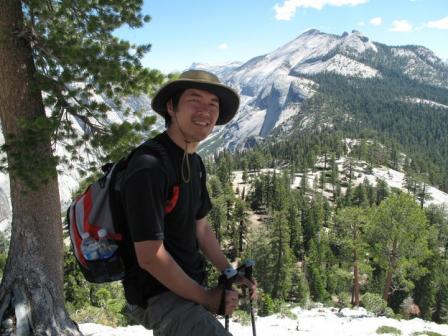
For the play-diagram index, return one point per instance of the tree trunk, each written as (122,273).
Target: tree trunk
(387,285)
(31,291)
(356,289)
(422,199)
(390,270)
(242,230)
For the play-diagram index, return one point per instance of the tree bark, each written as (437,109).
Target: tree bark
(356,289)
(387,285)
(32,286)
(390,270)
(356,286)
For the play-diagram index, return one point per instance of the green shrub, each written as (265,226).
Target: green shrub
(285,311)
(91,314)
(426,333)
(342,300)
(300,291)
(389,312)
(388,330)
(242,316)
(266,305)
(374,303)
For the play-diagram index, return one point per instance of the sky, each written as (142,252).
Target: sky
(217,32)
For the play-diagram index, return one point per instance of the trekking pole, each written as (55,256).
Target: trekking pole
(248,274)
(227,278)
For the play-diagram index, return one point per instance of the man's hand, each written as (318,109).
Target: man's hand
(245,282)
(213,300)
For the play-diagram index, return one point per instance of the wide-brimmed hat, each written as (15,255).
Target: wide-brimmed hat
(229,100)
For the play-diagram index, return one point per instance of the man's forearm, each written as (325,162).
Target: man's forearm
(165,269)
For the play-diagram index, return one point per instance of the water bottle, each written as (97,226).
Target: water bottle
(89,247)
(106,247)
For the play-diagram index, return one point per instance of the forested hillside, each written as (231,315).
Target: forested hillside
(381,110)
(363,244)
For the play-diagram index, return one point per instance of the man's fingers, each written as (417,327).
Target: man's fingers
(232,301)
(251,285)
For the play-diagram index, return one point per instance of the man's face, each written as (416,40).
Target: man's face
(196,114)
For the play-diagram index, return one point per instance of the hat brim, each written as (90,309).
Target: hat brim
(228,99)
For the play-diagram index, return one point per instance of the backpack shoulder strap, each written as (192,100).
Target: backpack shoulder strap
(153,147)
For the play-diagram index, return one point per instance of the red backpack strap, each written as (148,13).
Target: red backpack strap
(171,203)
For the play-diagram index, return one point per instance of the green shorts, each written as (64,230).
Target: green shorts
(170,315)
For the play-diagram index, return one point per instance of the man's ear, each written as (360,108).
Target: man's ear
(169,107)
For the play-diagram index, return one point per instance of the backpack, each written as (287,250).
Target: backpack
(99,207)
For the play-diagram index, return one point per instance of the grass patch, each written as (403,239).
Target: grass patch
(388,330)
(242,317)
(426,333)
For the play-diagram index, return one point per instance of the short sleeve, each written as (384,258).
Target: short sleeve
(144,193)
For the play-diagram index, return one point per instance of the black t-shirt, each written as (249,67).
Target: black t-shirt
(145,192)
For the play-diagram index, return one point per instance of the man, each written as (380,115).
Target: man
(165,267)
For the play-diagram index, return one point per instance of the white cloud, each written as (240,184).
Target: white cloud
(361,23)
(223,46)
(376,21)
(287,10)
(401,26)
(439,24)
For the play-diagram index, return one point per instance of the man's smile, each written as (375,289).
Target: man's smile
(201,122)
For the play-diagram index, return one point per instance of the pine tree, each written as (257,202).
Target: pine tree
(441,311)
(382,191)
(240,218)
(360,197)
(363,150)
(260,250)
(257,195)
(224,168)
(245,176)
(334,177)
(422,194)
(312,221)
(300,291)
(214,186)
(431,292)
(282,255)
(315,273)
(399,234)
(217,216)
(46,48)
(304,182)
(295,229)
(425,290)
(349,227)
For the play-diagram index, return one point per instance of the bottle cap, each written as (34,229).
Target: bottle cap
(102,233)
(230,272)
(85,235)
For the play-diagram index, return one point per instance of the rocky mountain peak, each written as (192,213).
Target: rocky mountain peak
(356,43)
(274,86)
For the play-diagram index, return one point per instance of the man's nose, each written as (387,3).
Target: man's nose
(204,107)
